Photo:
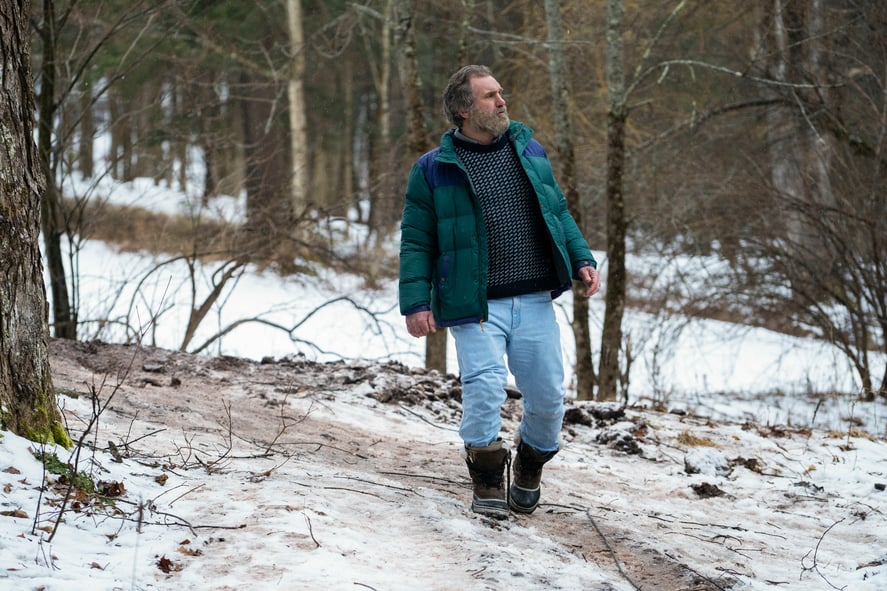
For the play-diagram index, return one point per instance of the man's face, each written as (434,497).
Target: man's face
(488,114)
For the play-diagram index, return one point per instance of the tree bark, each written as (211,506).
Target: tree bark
(296,94)
(611,337)
(585,377)
(386,205)
(266,157)
(63,318)
(417,137)
(85,152)
(27,400)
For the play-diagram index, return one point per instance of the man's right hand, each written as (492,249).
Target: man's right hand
(421,323)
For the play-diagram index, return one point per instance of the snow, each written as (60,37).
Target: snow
(800,473)
(800,509)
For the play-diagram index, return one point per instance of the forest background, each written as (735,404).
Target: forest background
(747,133)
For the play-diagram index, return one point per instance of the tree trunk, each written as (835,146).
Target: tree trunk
(214,135)
(386,204)
(63,320)
(297,119)
(27,397)
(125,134)
(347,194)
(611,338)
(585,378)
(85,155)
(417,137)
(268,210)
(465,36)
(800,156)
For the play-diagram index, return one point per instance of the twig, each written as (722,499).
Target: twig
(423,476)
(354,490)
(40,489)
(310,529)
(321,445)
(610,549)
(97,409)
(129,442)
(187,492)
(415,414)
(409,490)
(696,572)
(815,566)
(48,561)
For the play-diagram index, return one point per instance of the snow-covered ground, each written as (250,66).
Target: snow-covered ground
(804,509)
(718,368)
(292,475)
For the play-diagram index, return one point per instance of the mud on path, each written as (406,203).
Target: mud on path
(183,412)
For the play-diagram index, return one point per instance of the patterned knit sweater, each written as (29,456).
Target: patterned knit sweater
(519,247)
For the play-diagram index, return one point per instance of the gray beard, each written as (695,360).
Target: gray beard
(491,123)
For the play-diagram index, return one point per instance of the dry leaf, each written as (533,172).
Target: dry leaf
(14,513)
(167,565)
(112,489)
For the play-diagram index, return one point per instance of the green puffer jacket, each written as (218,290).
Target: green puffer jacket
(443,251)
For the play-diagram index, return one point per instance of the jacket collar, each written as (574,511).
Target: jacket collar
(518,134)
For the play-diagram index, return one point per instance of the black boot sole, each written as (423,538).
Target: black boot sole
(496,508)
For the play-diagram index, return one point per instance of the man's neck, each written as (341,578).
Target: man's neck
(478,137)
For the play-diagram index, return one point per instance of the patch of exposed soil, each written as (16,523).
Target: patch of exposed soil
(179,392)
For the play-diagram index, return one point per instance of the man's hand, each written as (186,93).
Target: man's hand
(421,323)
(592,280)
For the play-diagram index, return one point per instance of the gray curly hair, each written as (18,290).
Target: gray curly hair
(458,95)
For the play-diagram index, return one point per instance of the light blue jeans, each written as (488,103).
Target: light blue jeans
(524,330)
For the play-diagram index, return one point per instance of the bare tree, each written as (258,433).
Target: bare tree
(72,42)
(585,376)
(27,397)
(64,315)
(824,260)
(617,224)
(417,135)
(296,94)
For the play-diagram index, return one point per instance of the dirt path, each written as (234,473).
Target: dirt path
(282,406)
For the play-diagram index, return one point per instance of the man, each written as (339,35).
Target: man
(487,243)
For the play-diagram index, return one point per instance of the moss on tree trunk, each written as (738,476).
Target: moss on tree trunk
(27,396)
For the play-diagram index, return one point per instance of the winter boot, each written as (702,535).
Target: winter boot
(486,466)
(526,489)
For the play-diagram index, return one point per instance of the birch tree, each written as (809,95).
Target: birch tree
(296,95)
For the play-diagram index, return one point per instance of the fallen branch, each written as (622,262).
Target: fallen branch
(409,490)
(815,566)
(610,549)
(424,477)
(436,426)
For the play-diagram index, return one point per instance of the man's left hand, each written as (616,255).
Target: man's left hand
(592,280)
